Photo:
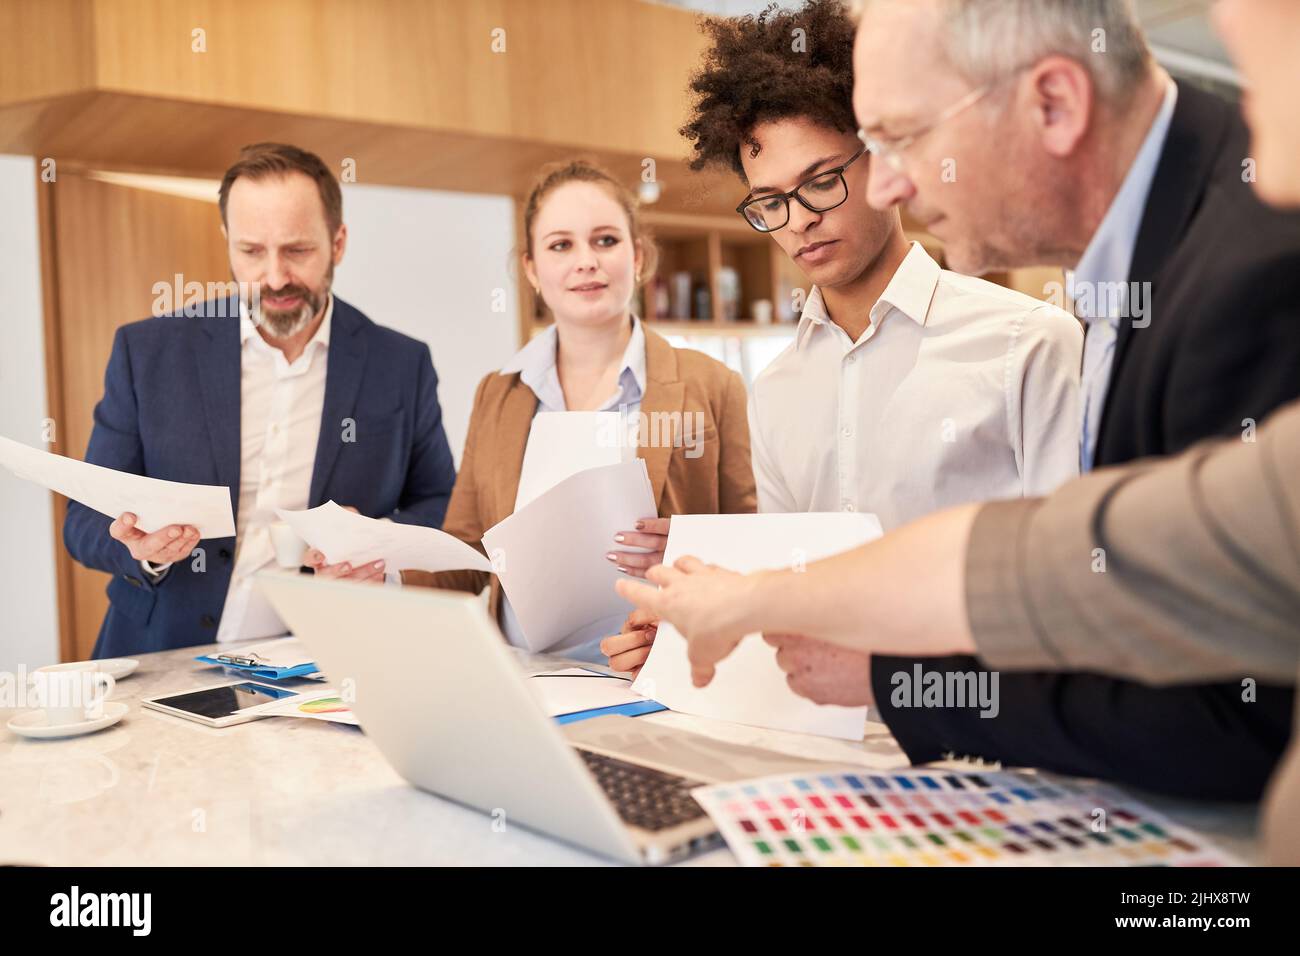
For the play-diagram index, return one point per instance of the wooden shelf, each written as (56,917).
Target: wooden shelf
(709,248)
(702,245)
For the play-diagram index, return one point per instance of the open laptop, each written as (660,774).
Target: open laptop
(446,701)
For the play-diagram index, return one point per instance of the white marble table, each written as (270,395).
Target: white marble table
(160,790)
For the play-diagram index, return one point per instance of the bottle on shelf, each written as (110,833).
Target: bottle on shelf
(703,303)
(729,293)
(679,306)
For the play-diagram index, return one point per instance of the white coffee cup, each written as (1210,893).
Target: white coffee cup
(289,548)
(762,309)
(73,696)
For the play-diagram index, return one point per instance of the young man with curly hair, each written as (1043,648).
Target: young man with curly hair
(908,388)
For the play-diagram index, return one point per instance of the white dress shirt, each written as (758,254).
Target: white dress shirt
(279,426)
(536,365)
(1107,260)
(959,390)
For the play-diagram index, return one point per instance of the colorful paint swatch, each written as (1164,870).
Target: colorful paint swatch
(998,819)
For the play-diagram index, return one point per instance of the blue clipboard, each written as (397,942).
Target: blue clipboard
(266,673)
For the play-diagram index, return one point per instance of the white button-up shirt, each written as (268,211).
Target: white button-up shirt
(959,390)
(1107,261)
(280,403)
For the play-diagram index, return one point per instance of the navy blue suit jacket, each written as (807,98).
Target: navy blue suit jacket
(171,409)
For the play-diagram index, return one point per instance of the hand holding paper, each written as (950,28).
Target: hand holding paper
(154,502)
(711,604)
(706,602)
(627,650)
(344,535)
(164,546)
(551,554)
(651,536)
(373,572)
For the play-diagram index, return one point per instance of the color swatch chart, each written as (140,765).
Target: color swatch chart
(936,818)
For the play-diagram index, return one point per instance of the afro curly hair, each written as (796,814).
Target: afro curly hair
(759,69)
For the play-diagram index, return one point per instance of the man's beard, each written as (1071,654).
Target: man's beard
(286,323)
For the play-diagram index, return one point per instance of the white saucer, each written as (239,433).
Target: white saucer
(34,723)
(116,668)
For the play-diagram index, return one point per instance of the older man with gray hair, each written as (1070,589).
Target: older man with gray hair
(1043,132)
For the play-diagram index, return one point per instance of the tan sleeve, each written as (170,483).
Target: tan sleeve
(736,493)
(463,520)
(1181,569)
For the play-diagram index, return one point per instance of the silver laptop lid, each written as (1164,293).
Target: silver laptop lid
(436,688)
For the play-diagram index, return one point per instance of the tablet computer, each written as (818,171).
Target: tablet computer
(221,705)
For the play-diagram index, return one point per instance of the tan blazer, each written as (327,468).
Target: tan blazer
(720,480)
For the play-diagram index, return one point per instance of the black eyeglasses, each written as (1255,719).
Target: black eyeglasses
(822,193)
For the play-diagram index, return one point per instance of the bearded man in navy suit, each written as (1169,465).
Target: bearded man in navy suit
(282,392)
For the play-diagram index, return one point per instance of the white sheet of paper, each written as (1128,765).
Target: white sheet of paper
(285,652)
(749,687)
(561,444)
(576,689)
(550,554)
(154,502)
(341,535)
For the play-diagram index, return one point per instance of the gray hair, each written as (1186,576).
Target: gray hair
(988,40)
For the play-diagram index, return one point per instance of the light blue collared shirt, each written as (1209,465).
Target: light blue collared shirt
(536,365)
(1106,261)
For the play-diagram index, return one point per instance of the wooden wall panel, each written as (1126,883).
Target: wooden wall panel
(608,74)
(411,90)
(111,244)
(47,48)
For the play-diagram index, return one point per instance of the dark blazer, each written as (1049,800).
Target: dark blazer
(171,409)
(1223,345)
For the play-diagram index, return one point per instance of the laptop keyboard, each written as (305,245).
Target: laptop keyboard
(645,798)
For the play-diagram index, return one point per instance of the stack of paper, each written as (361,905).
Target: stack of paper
(576,689)
(154,502)
(270,660)
(749,687)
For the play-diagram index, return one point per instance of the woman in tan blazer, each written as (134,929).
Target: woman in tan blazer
(586,253)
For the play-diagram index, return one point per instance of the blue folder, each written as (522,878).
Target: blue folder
(262,671)
(634,709)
